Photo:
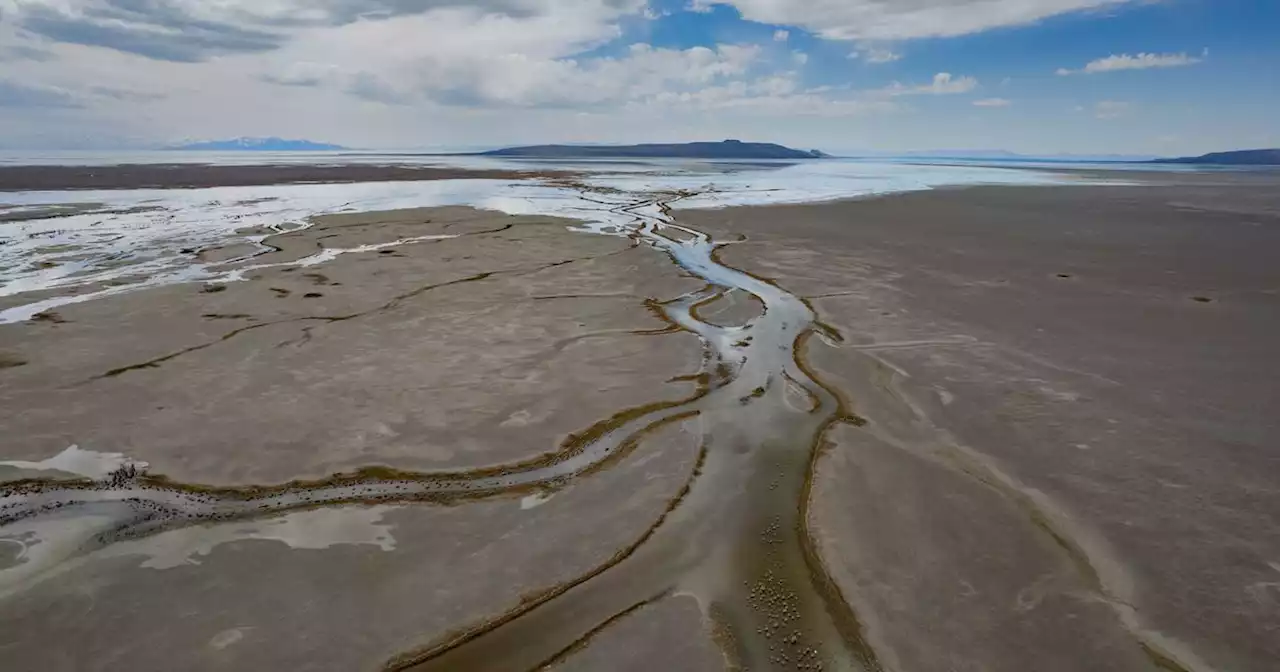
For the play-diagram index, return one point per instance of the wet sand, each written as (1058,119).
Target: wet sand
(1070,461)
(186,175)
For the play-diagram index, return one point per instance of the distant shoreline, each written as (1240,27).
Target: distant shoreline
(194,176)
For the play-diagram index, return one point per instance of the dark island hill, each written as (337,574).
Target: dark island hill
(728,149)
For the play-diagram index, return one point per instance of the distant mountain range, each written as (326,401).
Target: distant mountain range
(728,149)
(1246,157)
(259,145)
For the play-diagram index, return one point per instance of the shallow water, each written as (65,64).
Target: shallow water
(122,240)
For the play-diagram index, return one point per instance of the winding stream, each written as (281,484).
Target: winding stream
(735,541)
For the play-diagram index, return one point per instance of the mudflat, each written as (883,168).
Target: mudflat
(1071,454)
(987,429)
(492,344)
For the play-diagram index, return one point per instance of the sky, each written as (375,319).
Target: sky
(1159,77)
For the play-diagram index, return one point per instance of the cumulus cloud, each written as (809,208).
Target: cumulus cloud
(781,35)
(1111,109)
(944,83)
(993,102)
(903,19)
(876,55)
(651,14)
(520,80)
(1141,61)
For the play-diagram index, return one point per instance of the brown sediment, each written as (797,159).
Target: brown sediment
(721,296)
(8,361)
(572,445)
(553,297)
(393,302)
(1040,519)
(583,641)
(814,401)
(576,442)
(702,379)
(756,393)
(654,306)
(827,330)
(157,361)
(633,441)
(838,606)
(693,310)
(715,256)
(49,316)
(408,660)
(660,331)
(1161,659)
(843,403)
(725,640)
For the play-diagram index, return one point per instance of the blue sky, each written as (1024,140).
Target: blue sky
(1035,76)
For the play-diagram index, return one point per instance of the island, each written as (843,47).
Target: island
(728,149)
(1244,157)
(259,145)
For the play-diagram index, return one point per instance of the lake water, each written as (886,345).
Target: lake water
(119,240)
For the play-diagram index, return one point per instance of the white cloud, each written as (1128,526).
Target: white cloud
(1111,109)
(766,98)
(518,80)
(799,57)
(903,19)
(1141,61)
(876,55)
(944,83)
(993,102)
(781,35)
